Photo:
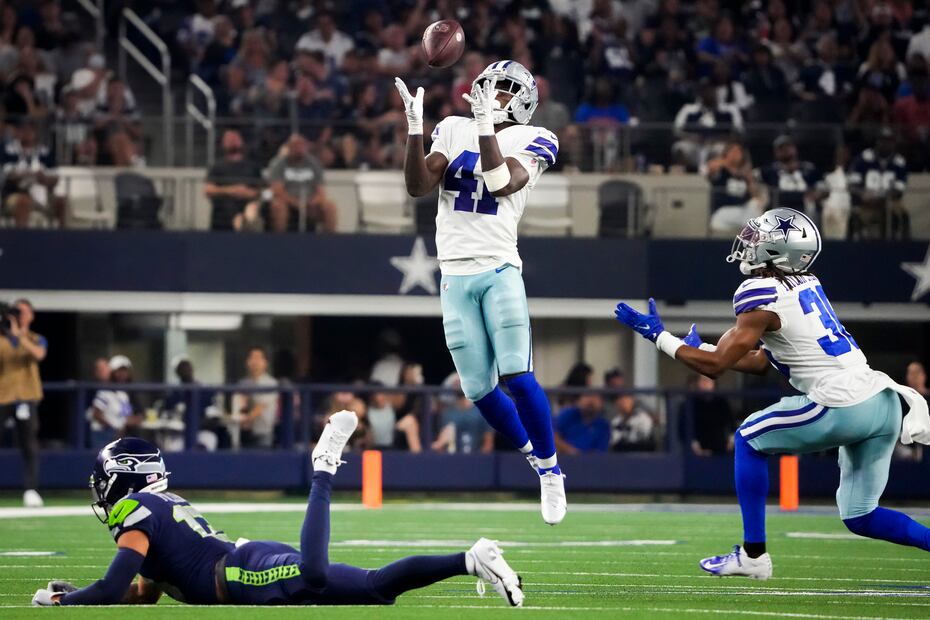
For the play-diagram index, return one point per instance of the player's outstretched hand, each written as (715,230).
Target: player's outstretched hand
(413,107)
(483,102)
(693,339)
(43,598)
(647,325)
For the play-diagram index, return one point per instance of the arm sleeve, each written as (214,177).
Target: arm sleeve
(539,153)
(112,588)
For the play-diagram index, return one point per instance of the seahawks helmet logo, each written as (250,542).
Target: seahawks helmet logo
(132,463)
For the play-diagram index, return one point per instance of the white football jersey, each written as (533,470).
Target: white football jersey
(476,231)
(812,348)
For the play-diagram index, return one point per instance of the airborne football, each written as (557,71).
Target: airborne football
(411,309)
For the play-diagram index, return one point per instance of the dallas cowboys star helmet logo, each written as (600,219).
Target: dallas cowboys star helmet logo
(785,225)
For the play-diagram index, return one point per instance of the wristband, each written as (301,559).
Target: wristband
(485,127)
(706,346)
(414,128)
(669,344)
(498,178)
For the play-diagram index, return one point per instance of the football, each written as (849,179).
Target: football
(443,43)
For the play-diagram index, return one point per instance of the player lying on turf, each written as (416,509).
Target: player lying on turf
(485,168)
(783,318)
(173,549)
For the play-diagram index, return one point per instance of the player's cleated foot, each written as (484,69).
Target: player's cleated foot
(327,455)
(552,497)
(739,564)
(32,499)
(486,562)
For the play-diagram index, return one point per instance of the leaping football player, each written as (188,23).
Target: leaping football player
(485,168)
(783,318)
(168,543)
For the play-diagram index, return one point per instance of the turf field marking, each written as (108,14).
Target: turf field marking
(824,536)
(400,544)
(676,610)
(29,554)
(703,576)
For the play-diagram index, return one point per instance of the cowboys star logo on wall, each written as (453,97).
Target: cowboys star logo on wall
(419,269)
(921,273)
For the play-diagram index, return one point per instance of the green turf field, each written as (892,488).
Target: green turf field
(599,563)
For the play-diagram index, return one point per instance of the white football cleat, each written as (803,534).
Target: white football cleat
(737,563)
(485,561)
(32,499)
(327,455)
(552,497)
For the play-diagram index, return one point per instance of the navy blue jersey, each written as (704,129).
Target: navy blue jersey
(183,548)
(876,175)
(787,187)
(727,189)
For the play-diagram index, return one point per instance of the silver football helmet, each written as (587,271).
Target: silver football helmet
(782,238)
(513,78)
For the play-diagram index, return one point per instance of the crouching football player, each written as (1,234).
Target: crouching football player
(783,318)
(173,549)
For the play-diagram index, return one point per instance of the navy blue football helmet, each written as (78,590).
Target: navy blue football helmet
(125,466)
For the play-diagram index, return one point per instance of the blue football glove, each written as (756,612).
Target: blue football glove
(649,326)
(693,339)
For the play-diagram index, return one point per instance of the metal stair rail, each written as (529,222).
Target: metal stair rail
(94,8)
(162,74)
(206,120)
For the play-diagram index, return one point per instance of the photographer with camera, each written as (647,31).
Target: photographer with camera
(21,350)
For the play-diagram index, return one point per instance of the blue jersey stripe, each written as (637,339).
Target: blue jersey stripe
(538,150)
(778,414)
(546,143)
(781,427)
(752,304)
(769,290)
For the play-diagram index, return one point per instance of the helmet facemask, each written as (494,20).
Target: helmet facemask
(514,79)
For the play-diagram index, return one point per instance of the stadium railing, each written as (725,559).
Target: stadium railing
(301,407)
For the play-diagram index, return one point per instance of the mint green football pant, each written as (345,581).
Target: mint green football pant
(487,327)
(866,435)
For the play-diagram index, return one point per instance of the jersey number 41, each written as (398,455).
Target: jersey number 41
(467,186)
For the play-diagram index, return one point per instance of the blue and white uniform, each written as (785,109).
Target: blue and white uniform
(485,315)
(846,403)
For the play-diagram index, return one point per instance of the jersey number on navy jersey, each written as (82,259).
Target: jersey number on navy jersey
(467,185)
(190,515)
(841,341)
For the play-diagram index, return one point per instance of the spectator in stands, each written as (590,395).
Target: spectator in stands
(614,379)
(232,182)
(462,427)
(734,193)
(21,351)
(723,45)
(101,370)
(114,413)
(912,117)
(730,91)
(268,106)
(21,100)
(602,109)
(709,417)
(327,39)
(551,114)
(296,179)
(583,427)
(411,376)
(881,70)
(916,378)
(219,53)
(633,428)
(837,206)
(315,110)
(919,44)
(394,57)
(877,180)
(118,126)
(213,433)
(788,53)
(791,182)
(823,84)
(703,124)
(765,82)
(73,129)
(258,411)
(253,57)
(580,375)
(390,364)
(870,113)
(29,178)
(196,32)
(387,431)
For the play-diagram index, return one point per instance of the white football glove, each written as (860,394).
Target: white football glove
(43,598)
(413,107)
(483,102)
(916,425)
(61,587)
